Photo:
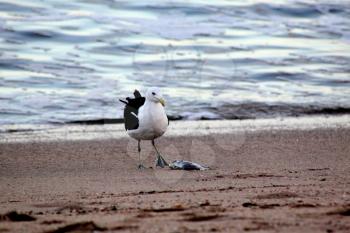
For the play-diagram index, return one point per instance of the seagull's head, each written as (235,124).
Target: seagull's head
(153,94)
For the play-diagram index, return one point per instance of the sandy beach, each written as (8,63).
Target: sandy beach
(290,175)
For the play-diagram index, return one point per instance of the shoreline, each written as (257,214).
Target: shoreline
(42,133)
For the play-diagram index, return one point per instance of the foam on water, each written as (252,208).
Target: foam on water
(63,61)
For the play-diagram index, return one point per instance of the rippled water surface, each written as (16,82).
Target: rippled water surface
(63,60)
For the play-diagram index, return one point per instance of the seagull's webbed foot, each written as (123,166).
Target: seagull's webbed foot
(161,162)
(140,167)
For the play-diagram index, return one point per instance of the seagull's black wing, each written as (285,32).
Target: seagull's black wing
(131,110)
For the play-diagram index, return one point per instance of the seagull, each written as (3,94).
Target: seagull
(145,119)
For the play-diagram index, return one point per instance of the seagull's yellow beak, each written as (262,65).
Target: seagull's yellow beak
(162,101)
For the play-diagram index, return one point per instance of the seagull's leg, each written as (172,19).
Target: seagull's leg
(139,149)
(160,160)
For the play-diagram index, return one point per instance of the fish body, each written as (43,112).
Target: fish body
(186,165)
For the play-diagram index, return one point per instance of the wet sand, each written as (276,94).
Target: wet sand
(267,180)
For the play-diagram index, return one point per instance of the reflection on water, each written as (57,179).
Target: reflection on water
(66,60)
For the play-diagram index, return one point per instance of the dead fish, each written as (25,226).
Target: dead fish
(186,165)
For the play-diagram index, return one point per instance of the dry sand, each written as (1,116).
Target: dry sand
(267,180)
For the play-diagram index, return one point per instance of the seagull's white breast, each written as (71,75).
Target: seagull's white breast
(153,122)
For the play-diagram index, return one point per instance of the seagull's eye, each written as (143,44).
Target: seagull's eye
(153,93)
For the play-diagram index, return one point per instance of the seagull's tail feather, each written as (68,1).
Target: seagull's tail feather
(137,94)
(131,110)
(123,101)
(138,100)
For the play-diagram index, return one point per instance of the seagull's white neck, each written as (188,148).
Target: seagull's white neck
(150,102)
(154,107)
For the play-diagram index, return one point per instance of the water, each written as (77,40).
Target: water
(63,60)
